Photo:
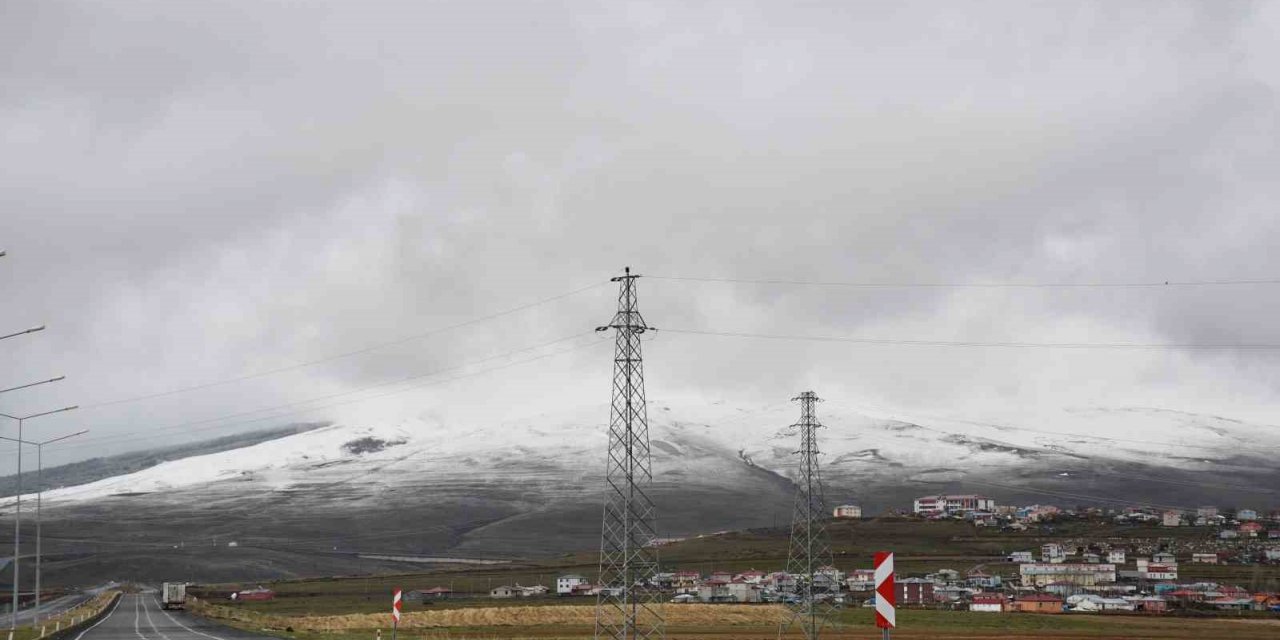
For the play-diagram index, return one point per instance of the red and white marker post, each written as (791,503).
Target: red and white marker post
(395,613)
(886,618)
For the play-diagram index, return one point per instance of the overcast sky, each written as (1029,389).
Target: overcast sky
(192,192)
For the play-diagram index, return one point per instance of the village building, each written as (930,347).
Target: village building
(1036,512)
(1204,558)
(1171,519)
(423,595)
(1021,556)
(1116,556)
(504,591)
(1250,529)
(1079,574)
(1246,514)
(566,584)
(1164,557)
(1037,603)
(913,591)
(1052,552)
(848,511)
(1228,534)
(954,504)
(987,602)
(861,580)
(780,581)
(982,580)
(943,576)
(684,581)
(722,591)
(1089,602)
(1150,604)
(1160,572)
(952,593)
(1207,512)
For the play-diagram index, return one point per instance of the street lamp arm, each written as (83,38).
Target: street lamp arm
(59,438)
(57,379)
(45,413)
(23,333)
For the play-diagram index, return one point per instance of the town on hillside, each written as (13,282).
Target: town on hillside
(1076,575)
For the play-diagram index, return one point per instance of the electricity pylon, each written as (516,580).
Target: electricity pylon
(626,608)
(809,559)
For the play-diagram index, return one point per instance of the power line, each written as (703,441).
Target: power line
(982,285)
(348,354)
(977,343)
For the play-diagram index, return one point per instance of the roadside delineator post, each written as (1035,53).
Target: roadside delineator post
(395,613)
(886,617)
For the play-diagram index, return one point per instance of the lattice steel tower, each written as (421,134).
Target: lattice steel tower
(809,560)
(626,608)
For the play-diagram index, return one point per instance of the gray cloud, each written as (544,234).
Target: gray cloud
(193,192)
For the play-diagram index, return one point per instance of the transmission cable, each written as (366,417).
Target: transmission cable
(348,354)
(978,343)
(980,285)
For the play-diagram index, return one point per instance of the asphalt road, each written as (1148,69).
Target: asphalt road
(139,617)
(50,608)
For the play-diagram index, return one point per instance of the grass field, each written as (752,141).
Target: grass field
(749,622)
(920,547)
(351,608)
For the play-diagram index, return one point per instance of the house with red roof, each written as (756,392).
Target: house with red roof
(988,602)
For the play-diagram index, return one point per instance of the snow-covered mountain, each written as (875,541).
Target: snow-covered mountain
(565,451)
(533,486)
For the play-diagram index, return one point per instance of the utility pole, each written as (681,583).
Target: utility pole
(809,560)
(39,498)
(17,504)
(626,608)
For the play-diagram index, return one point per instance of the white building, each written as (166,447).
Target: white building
(1204,558)
(1052,552)
(1171,519)
(1115,556)
(1246,514)
(565,584)
(1155,571)
(1021,556)
(1079,574)
(861,580)
(1098,603)
(848,511)
(954,504)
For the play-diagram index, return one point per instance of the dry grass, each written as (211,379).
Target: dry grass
(511,616)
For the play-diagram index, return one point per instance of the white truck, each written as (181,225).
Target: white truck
(173,595)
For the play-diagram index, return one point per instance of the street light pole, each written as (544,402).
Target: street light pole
(17,508)
(40,499)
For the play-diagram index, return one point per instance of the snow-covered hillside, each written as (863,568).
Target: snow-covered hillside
(691,440)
